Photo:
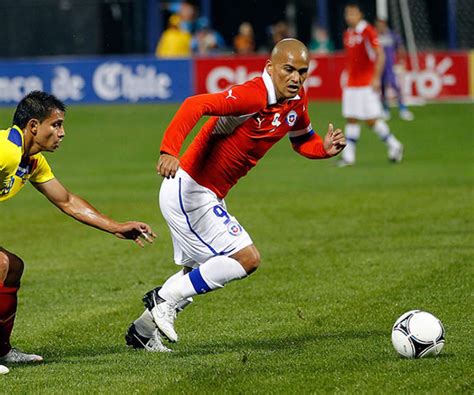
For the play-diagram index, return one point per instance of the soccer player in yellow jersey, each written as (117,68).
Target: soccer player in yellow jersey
(38,125)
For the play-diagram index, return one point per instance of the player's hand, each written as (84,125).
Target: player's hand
(334,141)
(136,231)
(376,85)
(167,165)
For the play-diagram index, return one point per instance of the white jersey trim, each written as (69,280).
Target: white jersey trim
(361,27)
(271,94)
(227,124)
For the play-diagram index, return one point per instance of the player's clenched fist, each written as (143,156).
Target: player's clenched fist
(167,165)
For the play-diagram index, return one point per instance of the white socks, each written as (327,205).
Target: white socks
(352,133)
(145,325)
(382,130)
(213,274)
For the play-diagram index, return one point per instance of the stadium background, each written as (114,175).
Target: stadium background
(103,50)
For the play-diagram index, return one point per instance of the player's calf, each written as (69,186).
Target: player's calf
(14,265)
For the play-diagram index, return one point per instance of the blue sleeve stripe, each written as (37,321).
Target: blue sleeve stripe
(301,139)
(15,137)
(198,282)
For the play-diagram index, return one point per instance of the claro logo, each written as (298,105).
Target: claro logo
(430,81)
(112,81)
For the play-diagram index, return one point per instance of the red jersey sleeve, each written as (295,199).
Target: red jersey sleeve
(371,34)
(243,99)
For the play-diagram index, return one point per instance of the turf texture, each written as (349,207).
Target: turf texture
(344,253)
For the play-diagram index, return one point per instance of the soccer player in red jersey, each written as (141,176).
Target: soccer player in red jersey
(38,125)
(361,96)
(246,121)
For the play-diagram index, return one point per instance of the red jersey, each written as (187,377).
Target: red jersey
(360,44)
(246,121)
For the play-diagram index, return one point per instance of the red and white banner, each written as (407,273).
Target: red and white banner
(442,75)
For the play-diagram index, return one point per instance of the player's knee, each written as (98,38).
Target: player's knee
(249,258)
(255,261)
(371,122)
(4,266)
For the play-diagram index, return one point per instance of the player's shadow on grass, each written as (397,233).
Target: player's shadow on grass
(290,343)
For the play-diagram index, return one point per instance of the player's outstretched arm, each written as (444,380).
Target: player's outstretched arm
(84,212)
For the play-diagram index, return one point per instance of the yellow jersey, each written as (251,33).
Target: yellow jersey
(174,43)
(15,169)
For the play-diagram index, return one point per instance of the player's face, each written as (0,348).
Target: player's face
(353,16)
(50,132)
(288,74)
(381,26)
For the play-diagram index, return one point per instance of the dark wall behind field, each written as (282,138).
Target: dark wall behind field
(91,27)
(72,27)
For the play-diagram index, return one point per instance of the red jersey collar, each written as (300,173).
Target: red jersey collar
(360,26)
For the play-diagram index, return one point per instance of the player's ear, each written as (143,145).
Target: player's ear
(32,126)
(269,67)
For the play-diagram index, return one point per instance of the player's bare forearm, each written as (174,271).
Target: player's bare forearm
(379,64)
(82,211)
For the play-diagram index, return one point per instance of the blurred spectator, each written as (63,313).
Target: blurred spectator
(392,44)
(279,31)
(206,40)
(174,42)
(320,41)
(244,42)
(188,13)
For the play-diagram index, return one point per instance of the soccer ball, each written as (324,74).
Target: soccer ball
(417,334)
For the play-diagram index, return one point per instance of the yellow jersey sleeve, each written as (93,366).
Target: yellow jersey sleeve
(10,155)
(41,171)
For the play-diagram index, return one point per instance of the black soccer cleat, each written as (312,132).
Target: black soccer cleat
(133,339)
(151,298)
(152,344)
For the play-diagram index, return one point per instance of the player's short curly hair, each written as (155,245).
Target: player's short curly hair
(38,105)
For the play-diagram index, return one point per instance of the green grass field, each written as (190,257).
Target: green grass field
(344,253)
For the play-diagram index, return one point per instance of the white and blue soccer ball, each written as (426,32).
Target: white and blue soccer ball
(418,334)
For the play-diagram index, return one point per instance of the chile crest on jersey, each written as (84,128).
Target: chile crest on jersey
(276,120)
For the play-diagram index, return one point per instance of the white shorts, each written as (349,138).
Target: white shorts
(361,103)
(199,222)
